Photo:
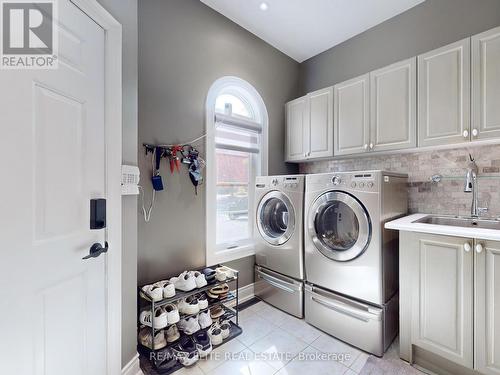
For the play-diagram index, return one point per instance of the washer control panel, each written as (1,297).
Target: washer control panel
(355,181)
(279,182)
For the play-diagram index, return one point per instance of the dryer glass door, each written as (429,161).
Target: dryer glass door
(275,218)
(339,226)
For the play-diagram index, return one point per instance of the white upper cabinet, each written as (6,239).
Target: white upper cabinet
(297,129)
(444,95)
(309,126)
(320,123)
(393,106)
(486,85)
(352,116)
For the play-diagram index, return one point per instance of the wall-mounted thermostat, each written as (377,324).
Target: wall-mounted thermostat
(130,180)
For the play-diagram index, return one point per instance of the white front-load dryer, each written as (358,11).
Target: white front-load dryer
(278,239)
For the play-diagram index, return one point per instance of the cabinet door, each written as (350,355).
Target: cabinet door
(442,305)
(487,330)
(444,95)
(393,106)
(320,111)
(351,120)
(297,129)
(486,84)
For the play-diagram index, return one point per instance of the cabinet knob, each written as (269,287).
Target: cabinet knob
(371,146)
(365,146)
(479,248)
(467,247)
(466,133)
(475,132)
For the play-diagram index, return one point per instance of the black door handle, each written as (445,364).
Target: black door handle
(96,250)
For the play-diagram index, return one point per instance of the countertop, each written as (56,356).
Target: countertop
(407,224)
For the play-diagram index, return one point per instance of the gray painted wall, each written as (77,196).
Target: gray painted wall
(125,11)
(184,46)
(429,25)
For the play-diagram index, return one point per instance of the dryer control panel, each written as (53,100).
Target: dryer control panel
(280,182)
(355,181)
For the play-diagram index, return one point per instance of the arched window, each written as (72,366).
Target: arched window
(236,153)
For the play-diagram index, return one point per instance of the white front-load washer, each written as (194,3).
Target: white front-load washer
(351,261)
(278,238)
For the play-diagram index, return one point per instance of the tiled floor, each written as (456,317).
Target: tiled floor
(273,342)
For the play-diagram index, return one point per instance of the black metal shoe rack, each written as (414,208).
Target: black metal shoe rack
(144,302)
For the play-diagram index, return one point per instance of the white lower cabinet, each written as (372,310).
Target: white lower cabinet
(450,301)
(487,308)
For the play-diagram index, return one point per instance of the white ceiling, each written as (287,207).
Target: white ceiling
(303,28)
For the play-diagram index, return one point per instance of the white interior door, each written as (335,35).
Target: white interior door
(53,303)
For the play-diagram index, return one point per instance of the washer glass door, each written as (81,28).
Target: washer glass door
(339,226)
(276,218)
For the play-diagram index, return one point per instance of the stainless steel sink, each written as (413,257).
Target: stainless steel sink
(456,221)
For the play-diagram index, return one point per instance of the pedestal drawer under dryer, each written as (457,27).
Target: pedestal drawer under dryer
(280,291)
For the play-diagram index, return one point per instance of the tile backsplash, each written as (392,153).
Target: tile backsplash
(425,196)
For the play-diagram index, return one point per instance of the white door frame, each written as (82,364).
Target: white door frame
(113,133)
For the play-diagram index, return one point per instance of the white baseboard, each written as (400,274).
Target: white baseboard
(132,368)
(245,293)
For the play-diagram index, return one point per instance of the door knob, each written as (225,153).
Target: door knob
(479,248)
(467,247)
(371,146)
(475,132)
(466,133)
(96,250)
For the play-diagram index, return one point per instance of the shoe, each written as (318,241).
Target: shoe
(216,312)
(145,339)
(189,306)
(205,319)
(186,351)
(168,288)
(164,360)
(215,334)
(218,290)
(199,279)
(185,282)
(173,333)
(209,275)
(153,292)
(172,313)
(202,301)
(225,328)
(189,325)
(230,273)
(203,343)
(160,318)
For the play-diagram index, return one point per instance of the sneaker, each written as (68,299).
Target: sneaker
(220,275)
(199,278)
(202,301)
(203,343)
(167,287)
(173,333)
(172,313)
(160,318)
(145,336)
(189,306)
(225,328)
(185,282)
(164,360)
(215,334)
(228,272)
(186,351)
(204,319)
(189,325)
(153,292)
(216,312)
(209,275)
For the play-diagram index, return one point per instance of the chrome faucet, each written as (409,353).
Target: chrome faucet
(471,186)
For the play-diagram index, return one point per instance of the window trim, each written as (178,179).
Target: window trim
(249,95)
